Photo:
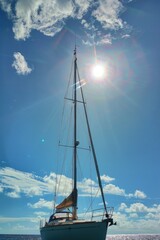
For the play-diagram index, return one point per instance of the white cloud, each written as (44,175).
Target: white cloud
(44,16)
(107,179)
(63,184)
(41,214)
(85,24)
(128,225)
(126,36)
(15,193)
(122,207)
(107,24)
(81,7)
(24,228)
(137,194)
(140,208)
(6,6)
(17,183)
(115,190)
(89,182)
(42,204)
(137,207)
(150,215)
(105,40)
(140,194)
(88,187)
(47,16)
(133,215)
(20,64)
(107,14)
(138,218)
(1,189)
(50,16)
(17,219)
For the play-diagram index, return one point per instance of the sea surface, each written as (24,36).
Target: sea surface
(109,237)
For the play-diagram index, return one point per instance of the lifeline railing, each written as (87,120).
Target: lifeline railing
(96,214)
(99,214)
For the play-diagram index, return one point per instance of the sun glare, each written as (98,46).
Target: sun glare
(98,71)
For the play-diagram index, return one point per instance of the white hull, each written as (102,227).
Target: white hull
(76,231)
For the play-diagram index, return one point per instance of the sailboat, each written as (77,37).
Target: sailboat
(64,223)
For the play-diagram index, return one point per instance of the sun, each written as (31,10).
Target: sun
(98,71)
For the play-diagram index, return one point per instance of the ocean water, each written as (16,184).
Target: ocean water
(134,237)
(109,237)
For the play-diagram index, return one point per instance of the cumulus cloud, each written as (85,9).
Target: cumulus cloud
(20,64)
(62,183)
(122,207)
(107,24)
(137,216)
(107,179)
(81,7)
(140,194)
(47,16)
(107,13)
(41,214)
(130,224)
(139,208)
(6,6)
(42,204)
(133,215)
(13,194)
(50,16)
(115,190)
(1,189)
(17,219)
(16,183)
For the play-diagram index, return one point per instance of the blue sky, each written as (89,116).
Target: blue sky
(36,48)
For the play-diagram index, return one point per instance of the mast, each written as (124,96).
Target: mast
(75,139)
(93,149)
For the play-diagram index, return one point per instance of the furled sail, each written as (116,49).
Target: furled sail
(70,201)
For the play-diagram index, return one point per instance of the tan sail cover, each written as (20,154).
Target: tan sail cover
(70,201)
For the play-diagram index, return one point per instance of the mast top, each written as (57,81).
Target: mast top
(75,51)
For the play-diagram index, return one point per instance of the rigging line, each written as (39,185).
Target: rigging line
(65,152)
(92,147)
(56,189)
(56,182)
(68,135)
(72,171)
(75,41)
(79,167)
(91,179)
(79,84)
(84,130)
(68,146)
(69,81)
(91,204)
(70,99)
(82,176)
(64,104)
